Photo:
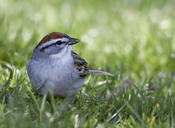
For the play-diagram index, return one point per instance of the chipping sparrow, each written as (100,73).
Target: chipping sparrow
(54,66)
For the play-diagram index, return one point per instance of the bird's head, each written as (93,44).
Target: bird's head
(54,43)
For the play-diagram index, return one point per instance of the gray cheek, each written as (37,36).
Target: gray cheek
(38,54)
(53,49)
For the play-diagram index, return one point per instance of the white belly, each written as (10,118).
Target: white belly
(57,75)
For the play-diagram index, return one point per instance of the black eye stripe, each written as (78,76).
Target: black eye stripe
(42,49)
(47,46)
(58,43)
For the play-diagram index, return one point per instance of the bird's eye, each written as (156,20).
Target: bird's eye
(59,42)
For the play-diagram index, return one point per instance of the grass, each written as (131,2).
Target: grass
(134,40)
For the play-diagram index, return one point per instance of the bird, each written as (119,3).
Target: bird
(55,67)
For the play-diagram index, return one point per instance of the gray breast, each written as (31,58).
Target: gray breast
(59,75)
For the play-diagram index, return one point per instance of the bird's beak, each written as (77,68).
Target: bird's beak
(73,41)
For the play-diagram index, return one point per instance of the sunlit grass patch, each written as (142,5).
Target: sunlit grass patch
(134,40)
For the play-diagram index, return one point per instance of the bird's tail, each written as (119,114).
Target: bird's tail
(97,71)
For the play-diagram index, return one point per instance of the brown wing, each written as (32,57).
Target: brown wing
(80,64)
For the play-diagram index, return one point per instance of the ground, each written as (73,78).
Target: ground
(134,40)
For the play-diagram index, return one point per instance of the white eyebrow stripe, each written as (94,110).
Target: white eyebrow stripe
(50,42)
